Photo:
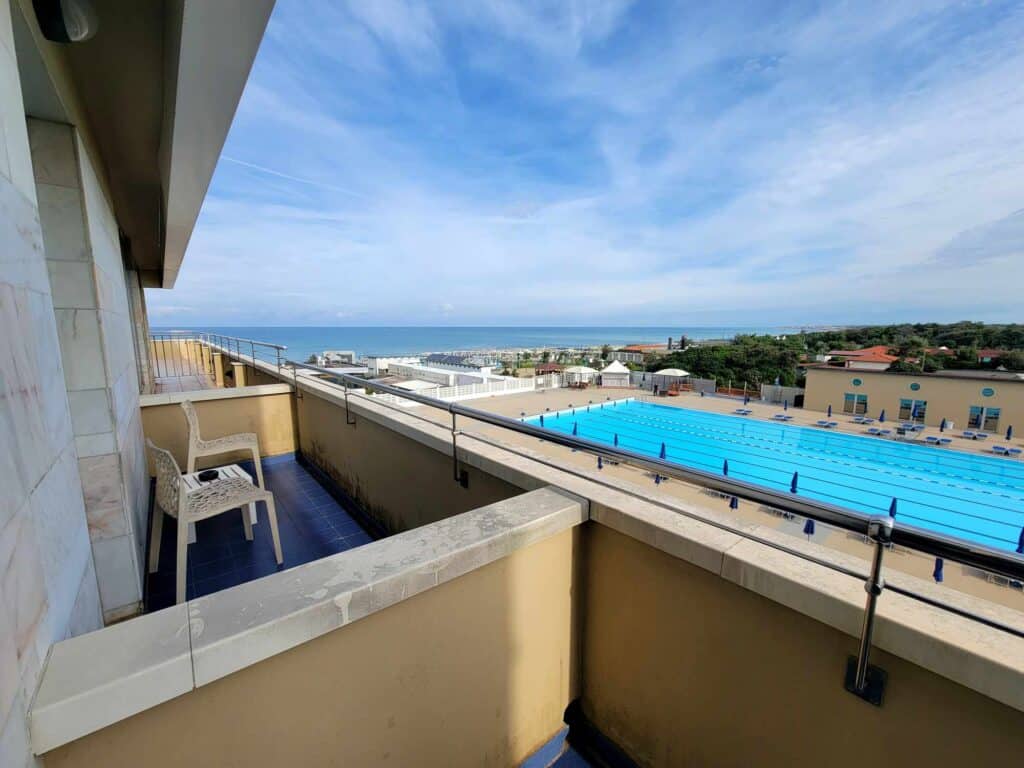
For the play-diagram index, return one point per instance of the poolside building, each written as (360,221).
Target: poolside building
(986,400)
(440,595)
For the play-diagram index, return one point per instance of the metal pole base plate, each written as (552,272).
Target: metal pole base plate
(874,685)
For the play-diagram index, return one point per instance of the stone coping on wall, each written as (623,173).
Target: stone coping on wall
(95,680)
(225,393)
(980,657)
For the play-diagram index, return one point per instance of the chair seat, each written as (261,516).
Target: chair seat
(213,498)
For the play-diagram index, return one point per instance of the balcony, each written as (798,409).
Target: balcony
(520,589)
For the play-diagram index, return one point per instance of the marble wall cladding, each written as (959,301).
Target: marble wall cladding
(117,573)
(87,614)
(45,553)
(93,319)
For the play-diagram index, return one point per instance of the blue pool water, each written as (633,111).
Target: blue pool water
(977,498)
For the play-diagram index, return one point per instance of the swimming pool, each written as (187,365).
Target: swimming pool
(978,498)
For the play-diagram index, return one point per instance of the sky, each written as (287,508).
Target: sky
(572,163)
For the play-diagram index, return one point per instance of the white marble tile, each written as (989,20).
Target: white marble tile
(22,582)
(99,216)
(12,114)
(6,40)
(20,390)
(124,399)
(99,444)
(10,670)
(119,578)
(90,411)
(118,345)
(87,615)
(22,262)
(14,739)
(63,227)
(53,399)
(97,679)
(53,153)
(103,492)
(71,284)
(58,514)
(81,350)
(111,292)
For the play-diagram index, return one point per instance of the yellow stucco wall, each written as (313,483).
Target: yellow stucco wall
(947,398)
(271,417)
(402,483)
(683,668)
(476,672)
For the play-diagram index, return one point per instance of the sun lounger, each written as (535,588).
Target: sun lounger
(874,431)
(822,423)
(932,440)
(967,435)
(1013,452)
(885,432)
(999,449)
(833,424)
(980,435)
(779,417)
(868,420)
(944,441)
(857,419)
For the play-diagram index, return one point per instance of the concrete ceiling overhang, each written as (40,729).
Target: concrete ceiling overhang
(158,86)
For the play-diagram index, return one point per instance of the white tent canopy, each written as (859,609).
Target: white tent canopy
(677,372)
(615,367)
(580,369)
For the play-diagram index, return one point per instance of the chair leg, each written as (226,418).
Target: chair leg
(272,519)
(181,573)
(154,538)
(248,513)
(259,469)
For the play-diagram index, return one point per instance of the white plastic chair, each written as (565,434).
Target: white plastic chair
(197,447)
(213,498)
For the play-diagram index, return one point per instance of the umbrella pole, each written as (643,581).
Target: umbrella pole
(862,679)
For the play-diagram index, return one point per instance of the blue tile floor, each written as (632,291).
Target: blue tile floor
(311,521)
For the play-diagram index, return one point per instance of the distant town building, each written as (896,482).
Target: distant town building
(875,358)
(379,366)
(637,353)
(337,357)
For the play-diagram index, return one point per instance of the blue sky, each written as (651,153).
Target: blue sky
(492,162)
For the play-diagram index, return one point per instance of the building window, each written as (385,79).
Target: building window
(855,403)
(912,410)
(983,418)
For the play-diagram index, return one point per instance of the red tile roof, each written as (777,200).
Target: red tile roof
(876,354)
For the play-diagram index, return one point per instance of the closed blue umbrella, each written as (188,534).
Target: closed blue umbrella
(702,393)
(830,411)
(785,405)
(657,479)
(881,416)
(725,467)
(793,482)
(937,573)
(1009,433)
(615,441)
(600,464)
(575,428)
(542,419)
(734,503)
(1020,542)
(661,454)
(808,528)
(892,507)
(942,426)
(746,399)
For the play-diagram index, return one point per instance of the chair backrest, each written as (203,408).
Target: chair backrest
(168,478)
(193,420)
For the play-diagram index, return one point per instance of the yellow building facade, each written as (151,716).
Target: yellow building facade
(985,400)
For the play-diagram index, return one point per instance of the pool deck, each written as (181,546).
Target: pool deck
(914,563)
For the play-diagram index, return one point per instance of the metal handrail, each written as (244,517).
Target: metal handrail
(979,556)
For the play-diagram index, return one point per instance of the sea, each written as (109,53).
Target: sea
(303,341)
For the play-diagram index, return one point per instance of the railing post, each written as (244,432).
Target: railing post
(862,679)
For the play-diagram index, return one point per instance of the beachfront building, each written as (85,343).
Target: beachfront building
(380,366)
(615,374)
(428,593)
(637,353)
(987,400)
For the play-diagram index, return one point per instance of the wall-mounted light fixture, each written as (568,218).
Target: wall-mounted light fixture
(66,21)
